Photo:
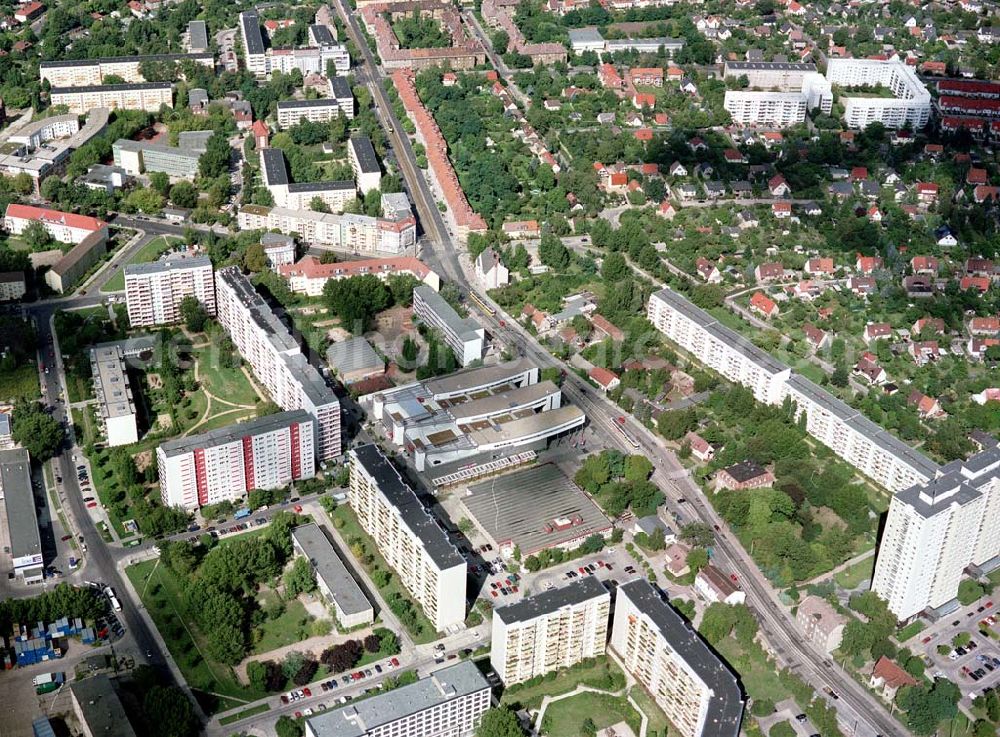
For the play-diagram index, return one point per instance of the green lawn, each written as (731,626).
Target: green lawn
(601,674)
(230,384)
(169,612)
(351,529)
(150,252)
(20,383)
(564,718)
(910,630)
(852,576)
(657,719)
(756,674)
(286,629)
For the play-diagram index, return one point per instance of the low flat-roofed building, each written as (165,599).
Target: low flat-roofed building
(336,583)
(116,407)
(77,261)
(550,630)
(354,359)
(144,157)
(695,688)
(320,110)
(20,514)
(98,708)
(197,33)
(463,335)
(534,510)
(279,249)
(448,703)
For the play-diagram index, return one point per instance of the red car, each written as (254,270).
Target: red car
(395,662)
(298,715)
(582,570)
(298,508)
(733,577)
(284,698)
(91,505)
(307,692)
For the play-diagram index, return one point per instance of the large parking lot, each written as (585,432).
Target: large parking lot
(975,665)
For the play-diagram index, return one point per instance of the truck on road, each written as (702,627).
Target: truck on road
(47,682)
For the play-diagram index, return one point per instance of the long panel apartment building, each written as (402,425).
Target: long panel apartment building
(115,405)
(300,195)
(693,686)
(550,630)
(276,358)
(910,104)
(860,442)
(340,103)
(464,336)
(91,72)
(148,96)
(448,703)
(262,59)
(355,234)
(154,291)
(226,464)
(17,501)
(408,537)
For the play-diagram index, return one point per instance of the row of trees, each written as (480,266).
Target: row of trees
(620,482)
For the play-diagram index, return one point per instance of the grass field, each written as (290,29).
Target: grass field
(657,719)
(169,611)
(252,711)
(910,630)
(852,576)
(598,673)
(21,383)
(291,627)
(351,529)
(757,675)
(150,252)
(230,384)
(564,718)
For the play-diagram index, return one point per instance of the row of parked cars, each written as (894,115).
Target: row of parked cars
(345,680)
(592,568)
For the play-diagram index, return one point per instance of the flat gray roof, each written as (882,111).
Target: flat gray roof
(476,378)
(111,381)
(322,554)
(321,35)
(125,144)
(340,88)
(19,503)
(364,152)
(327,186)
(464,327)
(168,264)
(250,27)
(939,494)
(362,717)
(234,432)
(353,354)
(273,163)
(304,104)
(198,35)
(547,602)
(122,59)
(725,706)
(534,509)
(588,34)
(412,511)
(111,88)
(101,707)
(784,66)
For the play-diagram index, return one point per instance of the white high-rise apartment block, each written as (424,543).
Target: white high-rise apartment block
(550,630)
(910,104)
(115,406)
(226,464)
(276,358)
(464,336)
(408,537)
(364,163)
(148,96)
(448,703)
(154,291)
(262,60)
(780,109)
(934,531)
(693,686)
(771,75)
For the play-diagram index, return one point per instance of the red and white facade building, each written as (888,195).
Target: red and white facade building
(225,464)
(65,227)
(309,275)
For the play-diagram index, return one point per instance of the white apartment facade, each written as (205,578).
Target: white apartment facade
(276,358)
(115,405)
(91,72)
(857,440)
(779,109)
(309,275)
(355,234)
(448,703)
(225,464)
(262,60)
(910,104)
(696,690)
(300,195)
(934,531)
(776,75)
(65,227)
(464,336)
(154,291)
(148,96)
(408,537)
(550,630)
(364,163)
